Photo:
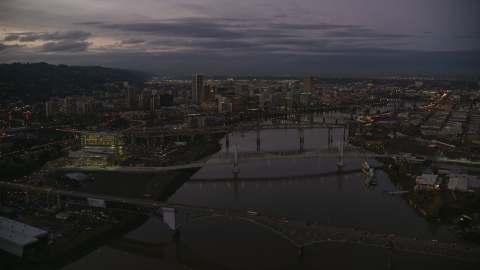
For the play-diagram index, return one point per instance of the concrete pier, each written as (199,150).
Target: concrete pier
(258,139)
(300,252)
(389,261)
(302,139)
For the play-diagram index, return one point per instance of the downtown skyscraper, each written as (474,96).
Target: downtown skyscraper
(308,84)
(197,84)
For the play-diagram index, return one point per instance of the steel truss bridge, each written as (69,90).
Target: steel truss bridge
(299,232)
(303,233)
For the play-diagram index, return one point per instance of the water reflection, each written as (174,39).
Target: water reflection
(308,189)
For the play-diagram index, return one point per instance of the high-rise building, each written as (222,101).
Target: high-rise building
(197,84)
(130,102)
(51,108)
(308,84)
(208,92)
(238,103)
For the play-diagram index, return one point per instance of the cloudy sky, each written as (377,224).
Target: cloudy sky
(248,37)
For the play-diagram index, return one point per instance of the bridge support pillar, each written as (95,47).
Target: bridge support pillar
(48,201)
(340,165)
(323,120)
(258,139)
(330,135)
(300,252)
(235,185)
(169,218)
(389,261)
(176,233)
(336,121)
(302,139)
(59,203)
(227,139)
(344,133)
(235,169)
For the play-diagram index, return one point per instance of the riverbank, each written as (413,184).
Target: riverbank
(160,185)
(70,251)
(435,205)
(184,175)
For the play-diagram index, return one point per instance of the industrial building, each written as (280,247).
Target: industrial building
(14,236)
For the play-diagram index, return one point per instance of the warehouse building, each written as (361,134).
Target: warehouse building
(14,236)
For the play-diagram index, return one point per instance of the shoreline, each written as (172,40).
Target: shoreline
(72,250)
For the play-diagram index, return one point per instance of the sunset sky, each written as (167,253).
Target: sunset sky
(269,37)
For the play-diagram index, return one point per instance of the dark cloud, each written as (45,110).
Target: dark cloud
(471,35)
(180,28)
(363,33)
(64,46)
(69,35)
(11,38)
(29,37)
(4,47)
(88,23)
(312,26)
(132,41)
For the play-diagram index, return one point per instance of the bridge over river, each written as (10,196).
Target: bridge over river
(299,232)
(235,158)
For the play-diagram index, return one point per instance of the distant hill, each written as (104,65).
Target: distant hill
(127,75)
(37,82)
(81,75)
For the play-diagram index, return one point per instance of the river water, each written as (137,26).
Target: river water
(306,189)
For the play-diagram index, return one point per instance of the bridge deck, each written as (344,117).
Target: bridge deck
(299,232)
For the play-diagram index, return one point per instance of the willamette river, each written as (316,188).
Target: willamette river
(303,189)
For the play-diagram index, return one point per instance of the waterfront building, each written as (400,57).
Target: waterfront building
(98,149)
(102,141)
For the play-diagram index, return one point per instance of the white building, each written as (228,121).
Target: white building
(14,236)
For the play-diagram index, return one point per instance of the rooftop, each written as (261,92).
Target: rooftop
(18,233)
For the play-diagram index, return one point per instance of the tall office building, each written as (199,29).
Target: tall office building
(308,84)
(208,93)
(197,84)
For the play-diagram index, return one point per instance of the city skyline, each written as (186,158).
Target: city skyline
(378,38)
